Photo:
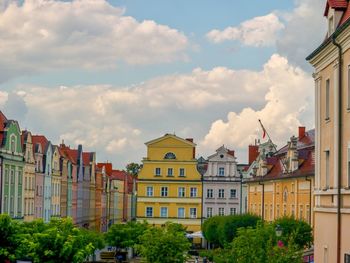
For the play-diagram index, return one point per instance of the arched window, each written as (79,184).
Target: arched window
(285,194)
(13,143)
(170,155)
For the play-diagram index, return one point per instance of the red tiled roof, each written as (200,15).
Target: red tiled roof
(122,176)
(346,15)
(231,152)
(3,121)
(86,158)
(336,4)
(108,167)
(40,139)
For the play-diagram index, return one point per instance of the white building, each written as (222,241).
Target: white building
(222,185)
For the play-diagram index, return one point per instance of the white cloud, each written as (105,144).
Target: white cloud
(116,121)
(257,32)
(288,101)
(3,98)
(43,35)
(305,29)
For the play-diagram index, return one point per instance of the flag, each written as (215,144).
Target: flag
(263,128)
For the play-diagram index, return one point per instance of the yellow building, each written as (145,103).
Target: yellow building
(169,185)
(281,182)
(331,62)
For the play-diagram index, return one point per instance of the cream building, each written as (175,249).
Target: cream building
(331,62)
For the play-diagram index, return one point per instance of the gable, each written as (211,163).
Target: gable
(169,141)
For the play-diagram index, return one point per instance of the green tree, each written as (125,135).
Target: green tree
(301,230)
(133,169)
(8,230)
(220,230)
(164,245)
(125,235)
(57,241)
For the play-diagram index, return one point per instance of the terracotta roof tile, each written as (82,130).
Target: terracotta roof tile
(40,139)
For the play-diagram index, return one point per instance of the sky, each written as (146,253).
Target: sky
(112,75)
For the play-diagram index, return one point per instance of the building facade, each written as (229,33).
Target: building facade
(11,154)
(29,176)
(281,183)
(39,177)
(56,183)
(222,185)
(331,62)
(169,185)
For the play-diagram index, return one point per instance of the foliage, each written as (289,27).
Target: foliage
(301,230)
(57,241)
(8,229)
(220,230)
(167,244)
(125,235)
(259,245)
(133,169)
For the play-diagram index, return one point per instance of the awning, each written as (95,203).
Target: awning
(197,234)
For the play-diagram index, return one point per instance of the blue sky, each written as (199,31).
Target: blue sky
(113,75)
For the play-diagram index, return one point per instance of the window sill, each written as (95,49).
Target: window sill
(170,175)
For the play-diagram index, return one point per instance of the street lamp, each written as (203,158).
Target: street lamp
(278,230)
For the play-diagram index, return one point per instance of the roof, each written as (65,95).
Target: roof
(3,121)
(167,135)
(336,4)
(108,167)
(306,160)
(87,158)
(122,175)
(40,139)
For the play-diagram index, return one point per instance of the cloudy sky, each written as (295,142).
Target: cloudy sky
(115,74)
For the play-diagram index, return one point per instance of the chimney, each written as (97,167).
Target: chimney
(189,139)
(301,132)
(253,153)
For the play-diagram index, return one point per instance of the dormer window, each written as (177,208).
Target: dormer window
(330,25)
(13,143)
(170,155)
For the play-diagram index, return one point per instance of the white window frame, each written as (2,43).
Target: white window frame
(221,194)
(182,172)
(146,212)
(170,172)
(165,192)
(233,195)
(233,211)
(209,212)
(193,192)
(221,171)
(156,171)
(193,215)
(180,192)
(221,211)
(211,195)
(184,212)
(327,96)
(149,191)
(160,212)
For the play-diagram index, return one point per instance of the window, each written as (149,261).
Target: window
(327,99)
(233,193)
(221,193)
(182,172)
(285,195)
(164,191)
(25,183)
(330,26)
(284,210)
(301,212)
(193,212)
(181,191)
(209,193)
(149,211)
(158,171)
(293,211)
(149,191)
(307,212)
(163,212)
(170,155)
(221,211)
(348,164)
(5,204)
(271,211)
(170,171)
(13,143)
(19,177)
(327,170)
(209,212)
(233,211)
(181,212)
(277,211)
(6,176)
(193,192)
(221,171)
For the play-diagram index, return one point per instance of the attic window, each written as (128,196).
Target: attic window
(330,25)
(13,143)
(170,155)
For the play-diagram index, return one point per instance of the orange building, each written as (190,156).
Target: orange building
(282,181)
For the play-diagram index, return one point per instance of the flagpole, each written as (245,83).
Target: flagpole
(274,146)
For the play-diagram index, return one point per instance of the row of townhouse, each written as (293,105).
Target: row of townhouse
(174,186)
(41,180)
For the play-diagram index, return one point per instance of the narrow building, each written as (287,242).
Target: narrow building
(169,185)
(222,185)
(331,62)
